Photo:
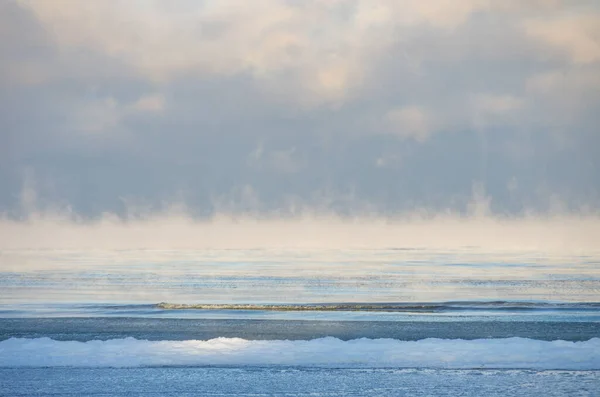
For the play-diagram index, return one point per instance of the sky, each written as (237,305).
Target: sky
(279,107)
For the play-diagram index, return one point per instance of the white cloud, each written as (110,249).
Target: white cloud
(497,104)
(447,13)
(410,122)
(150,103)
(104,116)
(265,38)
(576,37)
(565,81)
(388,160)
(283,161)
(320,49)
(462,111)
(99,116)
(487,110)
(312,75)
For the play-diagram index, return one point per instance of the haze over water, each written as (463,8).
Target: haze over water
(299,198)
(293,276)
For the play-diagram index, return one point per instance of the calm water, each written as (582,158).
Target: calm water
(259,276)
(413,322)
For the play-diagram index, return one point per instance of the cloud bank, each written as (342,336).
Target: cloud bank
(347,106)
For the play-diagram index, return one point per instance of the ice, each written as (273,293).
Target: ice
(323,352)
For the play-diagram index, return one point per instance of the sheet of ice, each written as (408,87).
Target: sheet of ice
(324,352)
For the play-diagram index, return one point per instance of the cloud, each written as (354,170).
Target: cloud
(265,38)
(285,161)
(492,110)
(410,122)
(325,48)
(97,116)
(575,37)
(566,81)
(150,103)
(478,111)
(497,104)
(387,105)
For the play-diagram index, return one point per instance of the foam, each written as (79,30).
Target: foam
(519,353)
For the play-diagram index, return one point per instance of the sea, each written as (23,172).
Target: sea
(284,322)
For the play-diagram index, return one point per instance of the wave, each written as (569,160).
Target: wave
(393,307)
(514,353)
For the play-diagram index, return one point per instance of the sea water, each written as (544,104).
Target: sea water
(283,322)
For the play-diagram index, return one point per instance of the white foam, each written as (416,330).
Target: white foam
(324,352)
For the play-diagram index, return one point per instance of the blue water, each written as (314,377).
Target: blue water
(411,323)
(293,382)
